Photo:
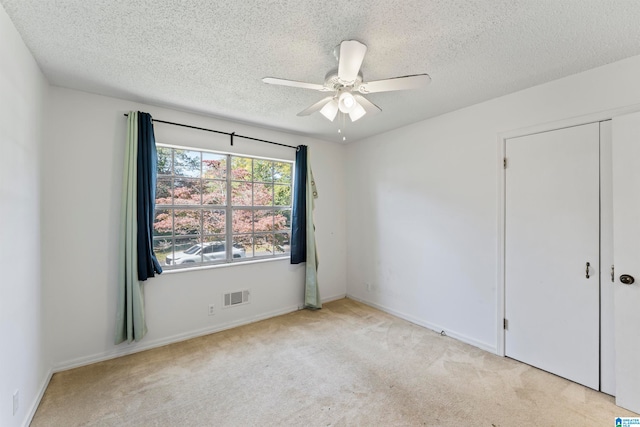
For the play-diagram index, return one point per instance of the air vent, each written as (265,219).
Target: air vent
(231,299)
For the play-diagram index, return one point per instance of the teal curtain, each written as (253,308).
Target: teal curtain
(130,322)
(311,292)
(303,236)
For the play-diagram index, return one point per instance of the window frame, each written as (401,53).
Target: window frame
(228,208)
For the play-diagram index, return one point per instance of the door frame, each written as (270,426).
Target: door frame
(501,154)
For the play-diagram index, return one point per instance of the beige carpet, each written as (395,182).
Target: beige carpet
(345,365)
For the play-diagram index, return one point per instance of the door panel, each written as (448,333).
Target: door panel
(626,251)
(551,232)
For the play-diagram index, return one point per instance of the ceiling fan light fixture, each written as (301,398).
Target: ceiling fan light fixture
(330,110)
(357,112)
(346,85)
(346,102)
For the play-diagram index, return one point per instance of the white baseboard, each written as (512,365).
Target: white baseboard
(112,354)
(124,351)
(333,298)
(453,334)
(326,299)
(36,402)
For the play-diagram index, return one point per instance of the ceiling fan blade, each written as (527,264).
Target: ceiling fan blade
(293,83)
(351,57)
(368,106)
(397,83)
(316,107)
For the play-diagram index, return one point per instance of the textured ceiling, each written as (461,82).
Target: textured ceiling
(209,56)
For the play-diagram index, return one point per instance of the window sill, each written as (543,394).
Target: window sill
(226,264)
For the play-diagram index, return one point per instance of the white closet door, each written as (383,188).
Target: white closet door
(626,253)
(552,252)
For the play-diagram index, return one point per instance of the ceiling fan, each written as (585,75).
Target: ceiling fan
(346,85)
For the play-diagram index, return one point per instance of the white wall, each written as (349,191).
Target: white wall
(422,215)
(83,154)
(23,359)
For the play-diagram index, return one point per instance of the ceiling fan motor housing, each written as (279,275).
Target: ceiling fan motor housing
(333,82)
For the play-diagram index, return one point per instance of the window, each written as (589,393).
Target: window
(204,200)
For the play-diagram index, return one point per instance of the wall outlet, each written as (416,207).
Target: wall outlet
(16,401)
(369,287)
(212,309)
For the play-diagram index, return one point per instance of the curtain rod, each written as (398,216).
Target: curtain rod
(232,134)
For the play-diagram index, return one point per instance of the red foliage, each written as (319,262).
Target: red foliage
(211,190)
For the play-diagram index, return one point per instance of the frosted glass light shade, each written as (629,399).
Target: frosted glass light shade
(346,102)
(330,109)
(357,112)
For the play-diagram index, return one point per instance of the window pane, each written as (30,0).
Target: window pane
(243,243)
(263,221)
(281,243)
(163,248)
(213,222)
(214,165)
(214,248)
(262,170)
(263,194)
(187,222)
(193,201)
(186,252)
(214,193)
(240,168)
(187,163)
(163,223)
(282,220)
(186,191)
(282,172)
(241,193)
(282,195)
(242,221)
(263,245)
(163,191)
(164,160)
(239,251)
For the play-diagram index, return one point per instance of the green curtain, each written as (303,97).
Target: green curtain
(130,323)
(311,290)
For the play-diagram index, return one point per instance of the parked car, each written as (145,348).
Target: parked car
(205,252)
